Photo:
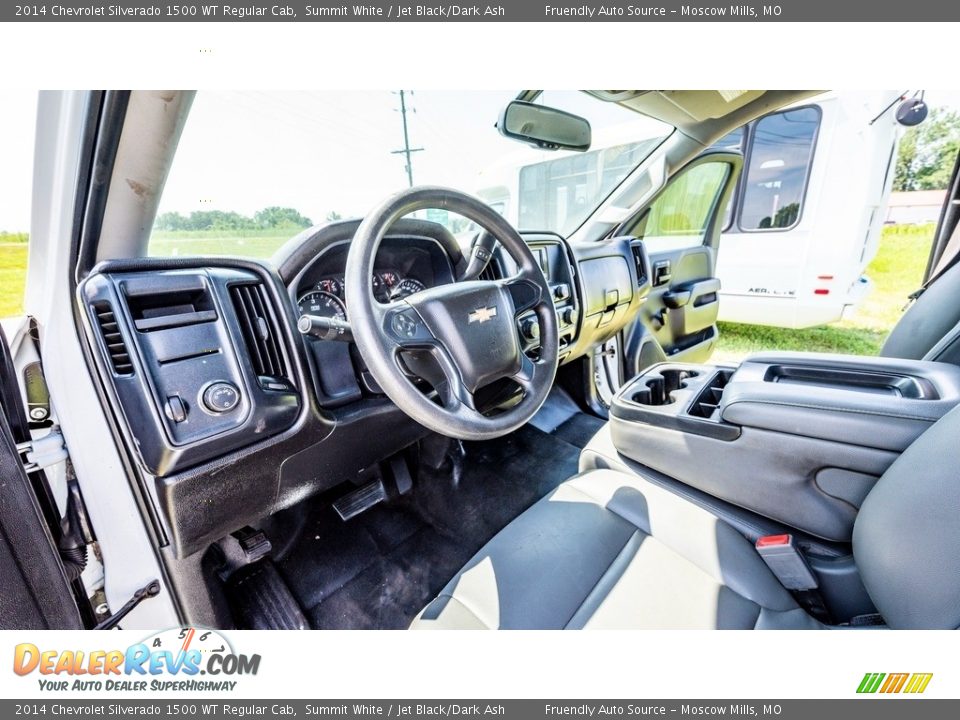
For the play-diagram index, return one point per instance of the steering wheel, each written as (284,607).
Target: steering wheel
(459,337)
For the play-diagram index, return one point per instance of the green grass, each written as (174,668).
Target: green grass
(254,243)
(13,272)
(896,271)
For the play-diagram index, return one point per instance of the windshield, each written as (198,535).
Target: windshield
(254,168)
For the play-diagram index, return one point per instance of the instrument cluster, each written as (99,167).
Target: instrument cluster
(326,298)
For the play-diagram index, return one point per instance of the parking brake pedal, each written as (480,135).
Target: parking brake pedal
(363,498)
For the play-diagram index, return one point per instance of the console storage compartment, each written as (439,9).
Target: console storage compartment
(797,437)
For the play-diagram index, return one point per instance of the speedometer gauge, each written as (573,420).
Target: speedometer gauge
(323,304)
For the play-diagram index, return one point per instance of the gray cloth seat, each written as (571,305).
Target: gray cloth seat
(930,329)
(612,550)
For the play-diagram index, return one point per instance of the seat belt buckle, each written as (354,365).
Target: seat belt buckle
(786,562)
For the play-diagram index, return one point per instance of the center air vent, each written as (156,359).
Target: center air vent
(116,347)
(491,271)
(261,333)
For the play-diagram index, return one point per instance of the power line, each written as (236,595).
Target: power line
(407,151)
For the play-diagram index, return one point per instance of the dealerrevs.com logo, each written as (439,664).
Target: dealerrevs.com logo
(181,659)
(891,683)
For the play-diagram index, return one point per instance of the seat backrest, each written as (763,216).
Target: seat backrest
(906,539)
(930,329)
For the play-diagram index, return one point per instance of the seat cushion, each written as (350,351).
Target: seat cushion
(610,550)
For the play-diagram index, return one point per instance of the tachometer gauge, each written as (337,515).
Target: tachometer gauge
(323,304)
(331,285)
(407,286)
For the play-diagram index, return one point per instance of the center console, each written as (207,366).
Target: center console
(796,437)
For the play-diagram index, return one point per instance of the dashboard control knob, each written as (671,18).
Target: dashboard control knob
(566,316)
(530,328)
(561,291)
(176,409)
(221,397)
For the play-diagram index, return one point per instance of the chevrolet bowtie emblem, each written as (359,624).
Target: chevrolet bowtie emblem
(482,314)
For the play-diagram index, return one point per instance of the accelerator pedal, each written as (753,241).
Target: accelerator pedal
(361,499)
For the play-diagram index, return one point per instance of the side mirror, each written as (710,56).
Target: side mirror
(912,112)
(544,127)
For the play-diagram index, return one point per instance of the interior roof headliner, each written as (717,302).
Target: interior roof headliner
(703,115)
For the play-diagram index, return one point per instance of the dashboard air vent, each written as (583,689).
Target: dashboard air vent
(116,347)
(639,259)
(491,271)
(261,333)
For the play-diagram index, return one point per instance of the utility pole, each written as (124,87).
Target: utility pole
(407,150)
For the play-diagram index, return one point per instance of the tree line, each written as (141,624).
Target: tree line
(270,218)
(928,153)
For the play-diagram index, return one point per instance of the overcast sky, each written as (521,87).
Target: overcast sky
(318,152)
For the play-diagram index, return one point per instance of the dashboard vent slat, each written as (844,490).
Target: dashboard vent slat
(643,275)
(113,339)
(491,271)
(261,334)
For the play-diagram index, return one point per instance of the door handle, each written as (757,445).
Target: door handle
(675,299)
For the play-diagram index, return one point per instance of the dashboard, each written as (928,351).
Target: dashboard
(230,414)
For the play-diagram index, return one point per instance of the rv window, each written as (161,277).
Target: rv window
(780,154)
(680,216)
(558,194)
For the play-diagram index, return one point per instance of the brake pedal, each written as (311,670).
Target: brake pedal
(361,499)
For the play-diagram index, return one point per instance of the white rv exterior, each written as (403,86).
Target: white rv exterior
(807,215)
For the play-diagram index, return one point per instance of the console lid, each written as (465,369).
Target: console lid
(884,403)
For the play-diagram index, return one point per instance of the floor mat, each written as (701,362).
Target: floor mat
(579,429)
(562,417)
(381,568)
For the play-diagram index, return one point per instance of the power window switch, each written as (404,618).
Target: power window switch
(176,409)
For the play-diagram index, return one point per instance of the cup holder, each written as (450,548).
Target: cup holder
(660,388)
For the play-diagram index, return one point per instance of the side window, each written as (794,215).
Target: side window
(780,154)
(680,216)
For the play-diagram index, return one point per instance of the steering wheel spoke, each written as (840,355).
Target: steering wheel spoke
(454,395)
(524,292)
(526,377)
(403,327)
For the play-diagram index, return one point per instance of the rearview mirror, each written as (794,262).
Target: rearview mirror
(544,127)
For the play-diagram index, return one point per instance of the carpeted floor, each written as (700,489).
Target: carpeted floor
(379,569)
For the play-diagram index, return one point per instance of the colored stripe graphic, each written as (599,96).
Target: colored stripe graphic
(918,682)
(870,682)
(893,683)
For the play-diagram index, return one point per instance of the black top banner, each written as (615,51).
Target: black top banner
(508,11)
